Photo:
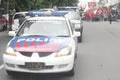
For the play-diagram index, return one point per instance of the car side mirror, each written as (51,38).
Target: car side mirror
(77,34)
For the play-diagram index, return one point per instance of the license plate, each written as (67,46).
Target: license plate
(34,65)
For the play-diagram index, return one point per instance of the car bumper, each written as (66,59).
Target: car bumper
(52,65)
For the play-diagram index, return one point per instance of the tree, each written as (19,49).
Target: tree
(20,5)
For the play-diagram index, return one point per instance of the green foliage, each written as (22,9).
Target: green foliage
(23,5)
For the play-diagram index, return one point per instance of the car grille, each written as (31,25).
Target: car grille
(44,54)
(28,54)
(43,68)
(41,54)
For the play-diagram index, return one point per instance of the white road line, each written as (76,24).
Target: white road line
(1,66)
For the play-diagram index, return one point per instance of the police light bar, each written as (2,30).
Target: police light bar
(35,13)
(47,13)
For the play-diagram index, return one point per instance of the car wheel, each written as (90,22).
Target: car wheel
(75,56)
(70,73)
(80,38)
(10,72)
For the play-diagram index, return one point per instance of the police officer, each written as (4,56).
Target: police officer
(110,18)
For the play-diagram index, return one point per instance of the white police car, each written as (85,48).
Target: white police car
(42,45)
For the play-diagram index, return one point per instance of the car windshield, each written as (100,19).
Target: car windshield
(68,8)
(44,28)
(73,15)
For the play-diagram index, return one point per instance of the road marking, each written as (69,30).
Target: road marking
(1,66)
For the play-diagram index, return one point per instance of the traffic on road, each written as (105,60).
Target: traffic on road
(54,42)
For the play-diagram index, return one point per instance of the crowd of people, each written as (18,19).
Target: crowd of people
(92,14)
(99,14)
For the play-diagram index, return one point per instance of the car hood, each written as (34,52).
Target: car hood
(39,44)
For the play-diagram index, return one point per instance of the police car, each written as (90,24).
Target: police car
(42,45)
(75,19)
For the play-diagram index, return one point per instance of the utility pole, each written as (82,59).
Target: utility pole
(7,12)
(0,8)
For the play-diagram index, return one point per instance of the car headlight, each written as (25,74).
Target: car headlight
(10,51)
(64,52)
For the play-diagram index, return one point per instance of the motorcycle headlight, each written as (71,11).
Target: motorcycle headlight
(10,51)
(64,52)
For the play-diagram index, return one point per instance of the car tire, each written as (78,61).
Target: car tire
(75,56)
(70,73)
(80,38)
(10,72)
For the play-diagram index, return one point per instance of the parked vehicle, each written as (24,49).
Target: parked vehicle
(47,9)
(68,8)
(15,20)
(76,21)
(45,44)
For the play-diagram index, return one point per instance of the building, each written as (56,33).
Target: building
(114,5)
(109,3)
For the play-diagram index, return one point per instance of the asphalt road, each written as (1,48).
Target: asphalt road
(98,55)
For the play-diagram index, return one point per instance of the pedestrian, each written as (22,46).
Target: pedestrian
(109,14)
(110,18)
(91,14)
(4,23)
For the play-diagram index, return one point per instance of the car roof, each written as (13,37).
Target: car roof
(47,9)
(67,8)
(71,11)
(69,15)
(47,18)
